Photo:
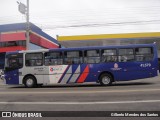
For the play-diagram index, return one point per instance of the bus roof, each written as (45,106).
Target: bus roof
(84,48)
(103,47)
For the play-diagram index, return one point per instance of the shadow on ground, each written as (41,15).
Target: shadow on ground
(87,85)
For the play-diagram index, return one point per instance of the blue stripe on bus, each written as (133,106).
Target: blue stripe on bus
(74,68)
(60,80)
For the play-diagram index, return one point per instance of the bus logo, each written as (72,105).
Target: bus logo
(56,68)
(51,69)
(115,65)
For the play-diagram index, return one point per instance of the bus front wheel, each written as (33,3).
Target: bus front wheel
(106,79)
(30,82)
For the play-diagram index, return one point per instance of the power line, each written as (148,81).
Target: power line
(103,24)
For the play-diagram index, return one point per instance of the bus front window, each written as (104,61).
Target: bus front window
(13,61)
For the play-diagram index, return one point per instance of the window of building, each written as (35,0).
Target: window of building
(73,57)
(13,43)
(144,54)
(53,58)
(109,55)
(34,59)
(91,56)
(126,55)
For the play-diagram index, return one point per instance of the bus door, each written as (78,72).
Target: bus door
(34,66)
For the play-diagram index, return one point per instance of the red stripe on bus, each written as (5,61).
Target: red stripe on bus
(83,75)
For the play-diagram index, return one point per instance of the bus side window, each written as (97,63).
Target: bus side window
(92,56)
(73,57)
(53,58)
(109,55)
(126,55)
(34,59)
(144,54)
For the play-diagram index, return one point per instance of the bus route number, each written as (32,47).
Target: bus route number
(146,65)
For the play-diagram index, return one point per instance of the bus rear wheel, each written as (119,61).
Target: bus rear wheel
(106,79)
(30,82)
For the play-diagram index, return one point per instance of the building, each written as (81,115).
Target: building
(110,39)
(13,38)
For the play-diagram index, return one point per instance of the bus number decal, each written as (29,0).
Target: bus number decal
(145,65)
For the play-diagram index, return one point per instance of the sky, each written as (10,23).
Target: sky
(85,17)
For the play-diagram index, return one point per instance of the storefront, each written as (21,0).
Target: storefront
(110,39)
(13,38)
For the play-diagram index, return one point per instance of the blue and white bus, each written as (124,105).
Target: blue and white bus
(104,65)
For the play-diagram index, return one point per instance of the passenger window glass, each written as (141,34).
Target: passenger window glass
(73,57)
(125,51)
(53,58)
(91,56)
(109,55)
(144,51)
(34,59)
(144,54)
(126,55)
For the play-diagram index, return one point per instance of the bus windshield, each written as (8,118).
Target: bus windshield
(13,61)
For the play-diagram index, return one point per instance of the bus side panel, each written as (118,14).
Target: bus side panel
(97,69)
(12,77)
(73,73)
(83,73)
(59,73)
(76,71)
(37,72)
(91,71)
(135,70)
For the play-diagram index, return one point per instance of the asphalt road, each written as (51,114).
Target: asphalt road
(138,95)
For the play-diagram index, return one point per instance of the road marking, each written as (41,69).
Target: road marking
(75,92)
(80,103)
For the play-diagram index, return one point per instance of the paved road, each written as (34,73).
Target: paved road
(139,95)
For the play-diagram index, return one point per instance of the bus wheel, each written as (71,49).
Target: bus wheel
(106,79)
(30,82)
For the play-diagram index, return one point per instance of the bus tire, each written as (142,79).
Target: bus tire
(30,82)
(106,79)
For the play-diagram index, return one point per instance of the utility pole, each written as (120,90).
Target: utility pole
(25,10)
(28,26)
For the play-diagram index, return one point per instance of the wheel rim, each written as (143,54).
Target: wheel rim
(106,80)
(29,82)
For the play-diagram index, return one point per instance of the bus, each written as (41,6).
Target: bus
(101,64)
